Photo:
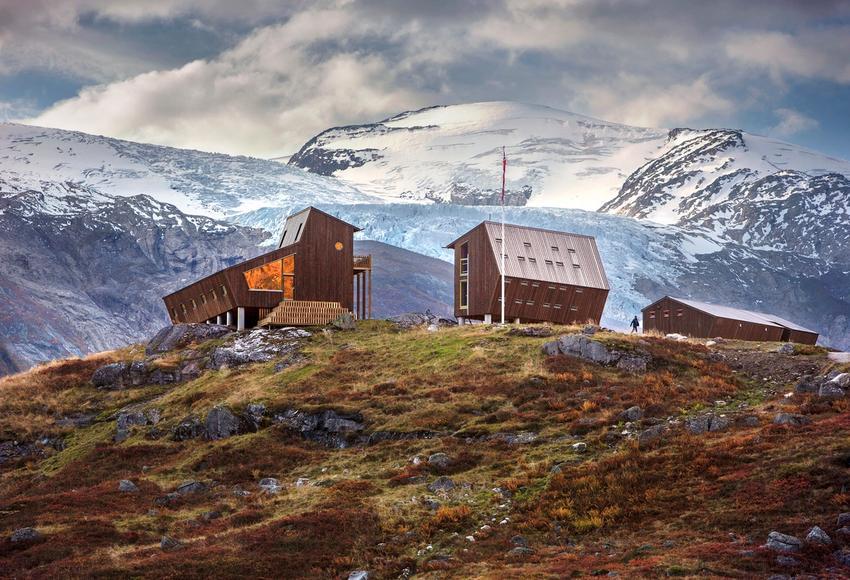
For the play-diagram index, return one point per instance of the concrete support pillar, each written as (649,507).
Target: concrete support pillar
(229,318)
(488,319)
(240,318)
(219,319)
(206,321)
(461,320)
(516,321)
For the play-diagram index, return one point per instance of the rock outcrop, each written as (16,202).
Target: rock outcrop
(182,335)
(581,346)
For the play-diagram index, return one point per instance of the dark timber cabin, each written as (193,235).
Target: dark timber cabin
(550,276)
(311,279)
(702,320)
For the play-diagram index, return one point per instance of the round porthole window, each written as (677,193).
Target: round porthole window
(338,245)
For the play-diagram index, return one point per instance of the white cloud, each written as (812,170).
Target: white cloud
(642,101)
(792,122)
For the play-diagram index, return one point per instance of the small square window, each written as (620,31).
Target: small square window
(571,250)
(520,258)
(652,313)
(560,264)
(554,248)
(499,240)
(535,285)
(194,304)
(203,298)
(533,260)
(523,283)
(183,308)
(557,306)
(527,244)
(550,263)
(223,291)
(574,308)
(529,302)
(576,265)
(518,301)
(545,305)
(579,290)
(552,288)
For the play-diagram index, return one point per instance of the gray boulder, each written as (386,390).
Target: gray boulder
(783,543)
(843,520)
(817,536)
(631,414)
(125,375)
(790,419)
(22,535)
(830,391)
(580,447)
(785,348)
(270,485)
(189,428)
(129,418)
(344,321)
(190,487)
(841,380)
(532,331)
(706,423)
(168,544)
(842,557)
(439,460)
(807,385)
(181,335)
(652,434)
(359,575)
(442,483)
(583,347)
(127,486)
(330,428)
(221,423)
(258,345)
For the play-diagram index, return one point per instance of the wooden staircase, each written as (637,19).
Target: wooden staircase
(302,313)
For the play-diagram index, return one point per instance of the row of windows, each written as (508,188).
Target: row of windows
(550,287)
(548,262)
(573,308)
(666,313)
(528,245)
(194,303)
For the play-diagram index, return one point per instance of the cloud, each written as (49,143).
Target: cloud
(641,101)
(792,122)
(298,67)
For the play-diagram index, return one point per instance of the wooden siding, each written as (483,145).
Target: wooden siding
(322,273)
(528,298)
(696,323)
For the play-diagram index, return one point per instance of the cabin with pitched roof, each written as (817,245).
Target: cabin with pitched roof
(550,276)
(703,320)
(310,279)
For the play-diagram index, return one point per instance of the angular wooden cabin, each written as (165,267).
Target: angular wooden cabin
(550,276)
(703,320)
(312,278)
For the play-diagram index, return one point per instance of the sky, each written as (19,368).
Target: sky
(261,77)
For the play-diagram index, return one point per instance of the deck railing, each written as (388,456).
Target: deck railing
(363,262)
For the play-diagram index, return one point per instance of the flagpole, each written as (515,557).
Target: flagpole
(502,250)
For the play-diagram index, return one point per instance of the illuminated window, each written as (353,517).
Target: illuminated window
(277,276)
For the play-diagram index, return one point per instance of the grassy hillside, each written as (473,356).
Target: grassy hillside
(541,475)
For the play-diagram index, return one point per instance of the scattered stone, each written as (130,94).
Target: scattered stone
(189,428)
(710,342)
(786,348)
(431,504)
(787,561)
(783,543)
(706,423)
(841,380)
(190,486)
(25,535)
(830,391)
(519,541)
(302,481)
(470,538)
(631,414)
(211,515)
(817,536)
(533,331)
(748,421)
(239,492)
(127,486)
(580,447)
(130,418)
(344,321)
(522,438)
(842,557)
(432,328)
(652,434)
(790,419)
(167,499)
(439,460)
(442,483)
(520,551)
(270,485)
(167,544)
(221,423)
(807,385)
(253,416)
(414,319)
(633,364)
(180,335)
(590,329)
(843,519)
(676,336)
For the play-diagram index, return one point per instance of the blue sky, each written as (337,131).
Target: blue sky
(261,77)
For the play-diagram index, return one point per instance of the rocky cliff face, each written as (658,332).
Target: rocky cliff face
(88,274)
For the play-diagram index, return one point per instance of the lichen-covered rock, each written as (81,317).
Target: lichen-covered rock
(127,486)
(831,391)
(22,535)
(439,460)
(270,485)
(414,319)
(332,429)
(191,486)
(222,423)
(649,436)
(169,544)
(124,375)
(783,543)
(786,348)
(817,536)
(581,346)
(344,321)
(258,345)
(189,428)
(129,418)
(181,335)
(790,419)
(631,414)
(442,483)
(706,423)
(533,331)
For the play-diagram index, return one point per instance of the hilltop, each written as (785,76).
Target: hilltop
(431,451)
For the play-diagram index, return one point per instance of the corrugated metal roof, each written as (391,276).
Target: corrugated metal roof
(548,255)
(741,314)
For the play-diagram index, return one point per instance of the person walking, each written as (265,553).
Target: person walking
(635,324)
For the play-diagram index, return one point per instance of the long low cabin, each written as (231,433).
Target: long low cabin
(703,320)
(550,276)
(312,278)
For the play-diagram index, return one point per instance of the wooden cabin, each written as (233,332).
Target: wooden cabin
(550,276)
(310,279)
(703,320)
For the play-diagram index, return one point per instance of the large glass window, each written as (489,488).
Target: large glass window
(277,276)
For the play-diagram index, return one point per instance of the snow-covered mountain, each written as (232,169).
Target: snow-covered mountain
(453,154)
(196,182)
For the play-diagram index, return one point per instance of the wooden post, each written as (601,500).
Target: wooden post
(369,295)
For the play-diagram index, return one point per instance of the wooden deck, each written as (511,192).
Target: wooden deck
(302,313)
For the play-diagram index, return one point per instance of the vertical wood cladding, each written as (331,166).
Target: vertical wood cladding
(322,273)
(669,315)
(537,289)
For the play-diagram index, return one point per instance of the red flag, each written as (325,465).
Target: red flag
(504,168)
